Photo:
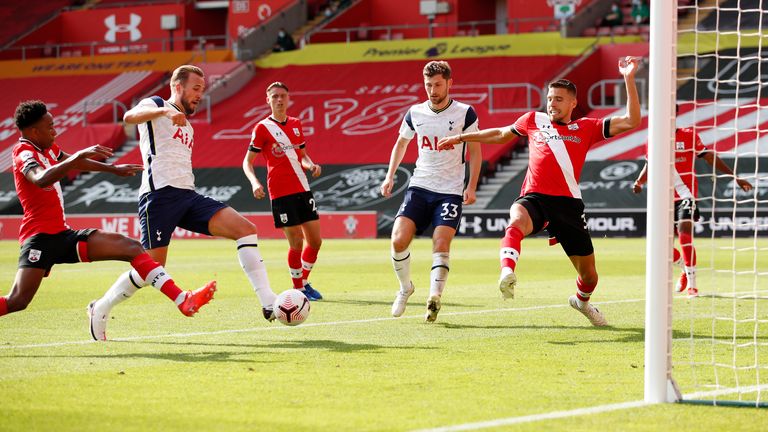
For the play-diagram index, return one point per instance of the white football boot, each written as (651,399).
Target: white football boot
(507,282)
(592,313)
(398,306)
(98,321)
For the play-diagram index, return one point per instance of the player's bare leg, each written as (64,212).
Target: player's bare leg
(585,285)
(520,226)
(24,288)
(403,231)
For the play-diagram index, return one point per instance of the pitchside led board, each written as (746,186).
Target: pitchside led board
(353,191)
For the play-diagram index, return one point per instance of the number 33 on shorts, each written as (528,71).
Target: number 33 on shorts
(450,211)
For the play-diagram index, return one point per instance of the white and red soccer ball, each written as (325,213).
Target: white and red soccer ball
(291,307)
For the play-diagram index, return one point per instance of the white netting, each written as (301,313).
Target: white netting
(720,339)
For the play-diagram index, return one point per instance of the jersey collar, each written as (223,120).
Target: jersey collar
(450,102)
(279,122)
(31,143)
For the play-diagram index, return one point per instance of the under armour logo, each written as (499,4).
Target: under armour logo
(113,28)
(159,234)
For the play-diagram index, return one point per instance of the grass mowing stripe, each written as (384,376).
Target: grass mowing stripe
(322,324)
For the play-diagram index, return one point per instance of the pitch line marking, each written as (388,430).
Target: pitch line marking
(584,411)
(284,328)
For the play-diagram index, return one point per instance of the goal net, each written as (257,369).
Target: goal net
(719,340)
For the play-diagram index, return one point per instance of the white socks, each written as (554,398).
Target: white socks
(254,268)
(690,274)
(124,287)
(439,273)
(401,261)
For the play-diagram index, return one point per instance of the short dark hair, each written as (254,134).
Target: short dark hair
(28,113)
(564,83)
(277,84)
(437,67)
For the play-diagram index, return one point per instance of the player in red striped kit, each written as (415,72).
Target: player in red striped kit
(281,140)
(688,147)
(550,197)
(46,239)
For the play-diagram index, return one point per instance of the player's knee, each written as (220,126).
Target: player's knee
(315,243)
(245,228)
(18,302)
(399,244)
(132,248)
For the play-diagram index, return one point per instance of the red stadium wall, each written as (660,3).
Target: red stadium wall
(126,29)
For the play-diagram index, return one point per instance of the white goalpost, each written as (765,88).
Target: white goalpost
(711,349)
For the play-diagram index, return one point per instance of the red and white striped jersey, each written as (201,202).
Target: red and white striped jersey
(43,207)
(557,152)
(282,144)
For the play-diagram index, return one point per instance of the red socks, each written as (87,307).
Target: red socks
(308,259)
(689,252)
(510,247)
(584,291)
(294,266)
(153,273)
(3,306)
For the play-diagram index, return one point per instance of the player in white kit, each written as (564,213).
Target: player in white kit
(436,191)
(167,197)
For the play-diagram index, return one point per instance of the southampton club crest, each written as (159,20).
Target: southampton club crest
(34,255)
(284,217)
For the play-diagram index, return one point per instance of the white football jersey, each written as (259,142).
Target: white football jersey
(440,171)
(166,151)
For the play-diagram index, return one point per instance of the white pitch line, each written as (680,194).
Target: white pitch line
(322,324)
(584,411)
(537,417)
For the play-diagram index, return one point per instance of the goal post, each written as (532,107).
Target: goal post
(659,386)
(715,345)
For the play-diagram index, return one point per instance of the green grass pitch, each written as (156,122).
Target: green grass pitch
(351,367)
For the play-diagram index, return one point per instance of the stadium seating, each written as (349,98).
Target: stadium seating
(352,112)
(19,17)
(67,97)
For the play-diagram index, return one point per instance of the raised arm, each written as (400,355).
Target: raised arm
(631,119)
(44,177)
(398,152)
(485,136)
(713,160)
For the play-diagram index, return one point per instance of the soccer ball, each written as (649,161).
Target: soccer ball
(291,307)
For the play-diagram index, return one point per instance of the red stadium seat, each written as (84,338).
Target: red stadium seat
(619,31)
(604,31)
(591,31)
(633,30)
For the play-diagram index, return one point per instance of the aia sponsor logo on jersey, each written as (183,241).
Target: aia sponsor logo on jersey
(184,138)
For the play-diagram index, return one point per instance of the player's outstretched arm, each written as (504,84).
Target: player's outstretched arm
(398,152)
(485,136)
(475,164)
(44,177)
(641,179)
(142,114)
(250,174)
(122,170)
(619,124)
(712,159)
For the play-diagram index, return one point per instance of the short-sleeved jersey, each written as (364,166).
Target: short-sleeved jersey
(440,171)
(557,152)
(282,145)
(166,150)
(43,207)
(688,147)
